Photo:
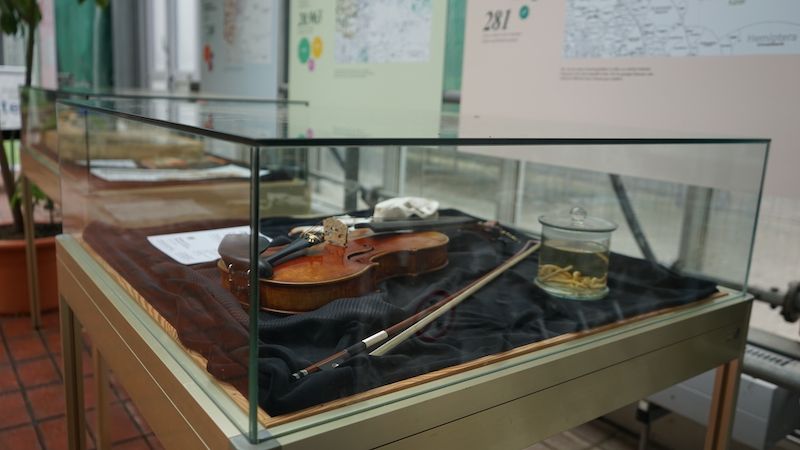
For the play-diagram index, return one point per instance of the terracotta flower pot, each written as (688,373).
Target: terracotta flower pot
(14,277)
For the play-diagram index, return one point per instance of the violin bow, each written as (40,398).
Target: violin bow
(365,344)
(436,309)
(526,251)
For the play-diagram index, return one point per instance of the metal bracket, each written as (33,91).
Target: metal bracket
(791,302)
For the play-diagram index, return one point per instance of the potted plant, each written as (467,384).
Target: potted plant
(23,16)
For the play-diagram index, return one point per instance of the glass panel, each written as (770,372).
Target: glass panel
(152,205)
(324,307)
(371,230)
(687,228)
(470,183)
(296,123)
(40,139)
(39,121)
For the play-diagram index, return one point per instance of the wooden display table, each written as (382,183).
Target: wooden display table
(522,396)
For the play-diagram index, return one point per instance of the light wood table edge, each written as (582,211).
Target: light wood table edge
(42,170)
(340,411)
(270,421)
(31,265)
(139,358)
(71,355)
(33,170)
(102,395)
(714,328)
(722,410)
(540,414)
(238,399)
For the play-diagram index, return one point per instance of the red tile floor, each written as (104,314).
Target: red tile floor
(32,396)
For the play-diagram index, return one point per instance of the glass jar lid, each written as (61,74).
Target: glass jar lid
(578,220)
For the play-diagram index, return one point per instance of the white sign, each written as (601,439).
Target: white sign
(194,247)
(126,173)
(11,78)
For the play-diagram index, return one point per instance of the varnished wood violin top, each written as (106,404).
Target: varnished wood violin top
(326,272)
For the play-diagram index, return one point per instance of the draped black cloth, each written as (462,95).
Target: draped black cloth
(509,312)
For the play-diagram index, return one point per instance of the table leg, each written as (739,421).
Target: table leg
(723,405)
(30,252)
(102,392)
(71,347)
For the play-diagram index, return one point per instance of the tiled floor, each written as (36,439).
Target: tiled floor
(596,435)
(32,397)
(32,400)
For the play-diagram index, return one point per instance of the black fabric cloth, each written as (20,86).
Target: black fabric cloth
(509,312)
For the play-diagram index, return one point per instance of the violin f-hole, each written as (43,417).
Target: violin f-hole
(363,250)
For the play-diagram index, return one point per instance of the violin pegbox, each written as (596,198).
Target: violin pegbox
(335,231)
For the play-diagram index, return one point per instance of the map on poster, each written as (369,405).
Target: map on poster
(675,28)
(383,31)
(367,53)
(239,47)
(246,27)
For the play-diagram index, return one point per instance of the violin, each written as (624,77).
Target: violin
(350,263)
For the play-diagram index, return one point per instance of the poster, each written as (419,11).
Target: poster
(11,78)
(240,47)
(355,54)
(692,67)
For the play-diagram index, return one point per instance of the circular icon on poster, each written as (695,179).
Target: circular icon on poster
(303,50)
(524,11)
(316,47)
(311,64)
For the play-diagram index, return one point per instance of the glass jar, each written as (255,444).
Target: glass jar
(573,259)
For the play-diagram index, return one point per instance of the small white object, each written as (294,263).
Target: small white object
(405,207)
(119,174)
(194,247)
(110,163)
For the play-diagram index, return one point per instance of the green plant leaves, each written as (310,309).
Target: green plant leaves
(38,196)
(16,13)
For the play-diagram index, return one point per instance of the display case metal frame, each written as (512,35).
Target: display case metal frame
(522,400)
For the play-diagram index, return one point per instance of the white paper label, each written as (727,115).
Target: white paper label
(115,163)
(194,247)
(152,175)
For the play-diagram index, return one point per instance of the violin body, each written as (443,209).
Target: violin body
(327,272)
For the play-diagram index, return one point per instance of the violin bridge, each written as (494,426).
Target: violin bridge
(335,231)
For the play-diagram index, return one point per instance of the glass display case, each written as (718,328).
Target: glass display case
(43,144)
(40,139)
(389,249)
